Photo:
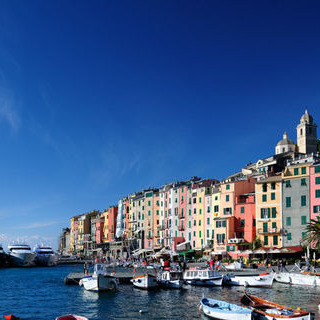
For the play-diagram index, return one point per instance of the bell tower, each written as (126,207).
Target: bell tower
(307,134)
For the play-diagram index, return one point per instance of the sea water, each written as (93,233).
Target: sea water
(40,293)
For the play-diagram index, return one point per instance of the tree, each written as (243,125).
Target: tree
(312,236)
(255,244)
(318,145)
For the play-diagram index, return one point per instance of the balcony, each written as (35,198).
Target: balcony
(181,228)
(160,227)
(181,216)
(270,231)
(149,236)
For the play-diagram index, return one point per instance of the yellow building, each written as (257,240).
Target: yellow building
(105,215)
(269,211)
(200,220)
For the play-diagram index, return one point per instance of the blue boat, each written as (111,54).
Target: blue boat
(218,309)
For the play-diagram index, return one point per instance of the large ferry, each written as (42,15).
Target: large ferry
(2,257)
(20,255)
(45,256)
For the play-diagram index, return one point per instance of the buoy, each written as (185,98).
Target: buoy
(142,311)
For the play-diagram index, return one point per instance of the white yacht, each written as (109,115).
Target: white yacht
(20,255)
(2,257)
(45,256)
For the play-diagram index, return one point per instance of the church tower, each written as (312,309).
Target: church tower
(307,134)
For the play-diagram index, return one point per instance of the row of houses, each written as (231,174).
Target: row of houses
(268,202)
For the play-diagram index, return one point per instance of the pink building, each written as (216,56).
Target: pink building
(193,219)
(315,191)
(112,222)
(183,211)
(244,223)
(167,219)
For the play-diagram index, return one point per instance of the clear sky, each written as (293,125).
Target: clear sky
(99,99)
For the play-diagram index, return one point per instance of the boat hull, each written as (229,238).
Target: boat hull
(46,260)
(146,281)
(263,281)
(22,259)
(224,311)
(171,284)
(99,283)
(205,282)
(298,279)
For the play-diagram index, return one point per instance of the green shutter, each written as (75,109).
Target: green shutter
(274,212)
(296,171)
(303,170)
(303,220)
(288,221)
(317,180)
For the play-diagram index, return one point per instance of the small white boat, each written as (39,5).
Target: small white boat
(217,309)
(234,266)
(202,277)
(99,281)
(170,279)
(263,280)
(71,317)
(301,279)
(20,255)
(146,281)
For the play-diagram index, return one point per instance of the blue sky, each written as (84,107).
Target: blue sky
(99,99)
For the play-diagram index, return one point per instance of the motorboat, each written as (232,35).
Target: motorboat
(146,281)
(202,277)
(266,310)
(218,309)
(71,317)
(263,280)
(99,280)
(296,278)
(20,255)
(45,256)
(170,279)
(3,257)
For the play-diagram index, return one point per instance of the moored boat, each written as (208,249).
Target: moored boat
(202,277)
(71,317)
(3,257)
(170,279)
(218,309)
(45,256)
(295,278)
(99,281)
(264,309)
(20,255)
(263,280)
(146,281)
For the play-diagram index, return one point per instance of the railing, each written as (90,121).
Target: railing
(270,231)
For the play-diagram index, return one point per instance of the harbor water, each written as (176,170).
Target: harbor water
(40,293)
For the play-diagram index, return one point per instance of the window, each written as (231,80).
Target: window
(227,197)
(265,227)
(318,193)
(208,221)
(288,221)
(274,212)
(149,203)
(242,223)
(216,208)
(265,240)
(208,233)
(303,220)
(265,213)
(199,234)
(157,212)
(242,210)
(200,211)
(194,222)
(254,222)
(227,211)
(264,198)
(194,210)
(149,213)
(224,223)
(273,186)
(264,187)
(199,222)
(303,170)
(143,216)
(273,196)
(303,182)
(208,209)
(317,180)
(316,209)
(289,236)
(274,225)
(216,198)
(194,200)
(275,240)
(296,171)
(288,185)
(189,224)
(228,186)
(317,169)
(189,236)
(303,201)
(288,202)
